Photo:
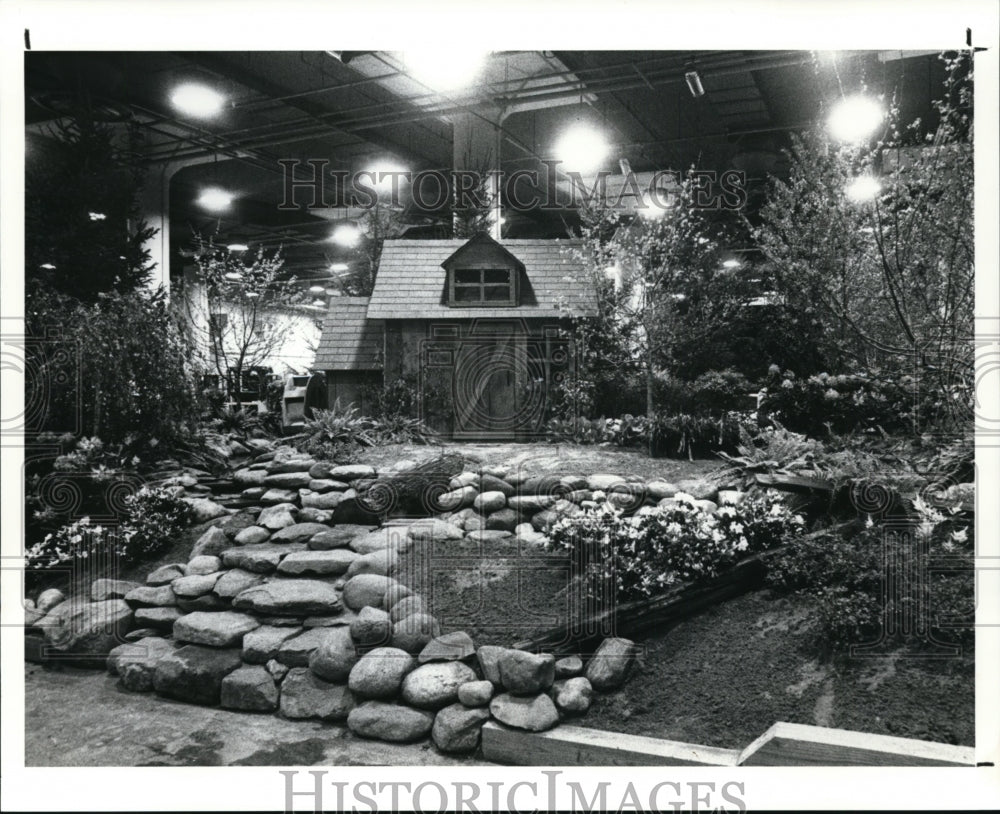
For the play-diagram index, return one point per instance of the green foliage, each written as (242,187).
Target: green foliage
(152,517)
(847,575)
(125,367)
(340,432)
(682,435)
(82,211)
(890,280)
(770,449)
(236,420)
(626,431)
(860,402)
(639,556)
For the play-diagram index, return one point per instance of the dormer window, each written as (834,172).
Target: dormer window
(495,287)
(483,274)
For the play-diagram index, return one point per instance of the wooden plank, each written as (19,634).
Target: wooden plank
(786,744)
(580,746)
(793,482)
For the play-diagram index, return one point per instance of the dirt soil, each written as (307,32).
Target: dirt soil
(722,678)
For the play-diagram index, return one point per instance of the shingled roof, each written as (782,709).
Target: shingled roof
(350,341)
(411,281)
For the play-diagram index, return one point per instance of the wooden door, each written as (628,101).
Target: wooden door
(489,374)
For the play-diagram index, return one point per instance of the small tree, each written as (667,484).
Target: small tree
(660,283)
(232,307)
(84,230)
(892,277)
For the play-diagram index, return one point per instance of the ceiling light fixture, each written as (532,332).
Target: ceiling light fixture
(863,188)
(197,100)
(444,69)
(854,119)
(347,234)
(215,199)
(693,80)
(582,149)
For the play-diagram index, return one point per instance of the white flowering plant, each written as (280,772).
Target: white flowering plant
(640,555)
(151,517)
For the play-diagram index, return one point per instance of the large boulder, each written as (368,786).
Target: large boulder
(252,535)
(327,563)
(49,598)
(487,502)
(298,532)
(277,517)
(261,645)
(488,656)
(87,631)
(531,504)
(475,693)
(203,509)
(262,558)
(658,489)
(414,632)
(432,686)
(158,618)
(206,602)
(391,537)
(224,629)
(569,667)
(274,496)
(490,483)
(149,596)
(383,563)
(249,477)
(135,662)
(366,589)
(502,520)
(389,722)
(212,543)
(288,480)
(334,659)
(456,646)
(524,673)
(573,695)
(104,589)
(195,585)
(194,673)
(608,667)
(372,627)
(533,713)
(325,501)
(456,728)
(294,464)
(297,651)
(306,695)
(406,606)
(235,582)
(458,498)
(349,472)
(433,529)
(166,574)
(250,688)
(204,564)
(290,597)
(379,673)
(336,537)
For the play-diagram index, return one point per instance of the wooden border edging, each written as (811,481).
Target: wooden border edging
(784,744)
(579,746)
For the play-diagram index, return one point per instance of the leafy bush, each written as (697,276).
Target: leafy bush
(683,435)
(720,391)
(640,555)
(626,431)
(847,574)
(338,433)
(152,518)
(857,402)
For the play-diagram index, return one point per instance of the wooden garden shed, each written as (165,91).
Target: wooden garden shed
(474,327)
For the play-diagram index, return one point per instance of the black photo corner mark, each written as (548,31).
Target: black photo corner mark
(27,39)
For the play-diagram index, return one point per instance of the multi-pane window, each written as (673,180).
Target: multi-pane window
(483,286)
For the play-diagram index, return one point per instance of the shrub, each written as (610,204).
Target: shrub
(683,435)
(152,518)
(640,555)
(719,391)
(338,433)
(626,431)
(851,402)
(847,576)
